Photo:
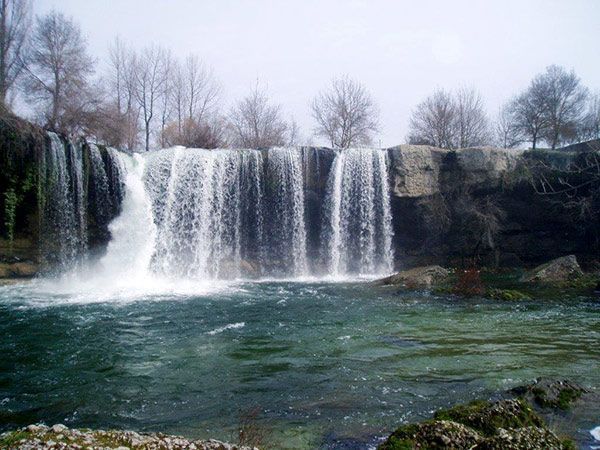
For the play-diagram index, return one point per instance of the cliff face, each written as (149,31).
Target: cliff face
(479,205)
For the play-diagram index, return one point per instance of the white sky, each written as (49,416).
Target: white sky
(400,50)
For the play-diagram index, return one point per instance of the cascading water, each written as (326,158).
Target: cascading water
(357,228)
(198,197)
(221,214)
(128,256)
(286,245)
(227,214)
(64,227)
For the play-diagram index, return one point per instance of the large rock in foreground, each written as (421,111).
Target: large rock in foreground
(560,269)
(479,425)
(60,437)
(418,277)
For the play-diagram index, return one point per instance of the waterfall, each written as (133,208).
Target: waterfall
(129,252)
(357,229)
(200,214)
(287,229)
(228,214)
(198,197)
(62,202)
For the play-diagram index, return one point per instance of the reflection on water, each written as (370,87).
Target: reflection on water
(332,364)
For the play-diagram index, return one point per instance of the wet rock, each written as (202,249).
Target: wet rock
(564,268)
(418,277)
(58,428)
(527,438)
(556,394)
(437,434)
(18,270)
(59,436)
(487,417)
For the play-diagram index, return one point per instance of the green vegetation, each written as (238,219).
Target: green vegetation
(487,417)
(20,145)
(476,425)
(10,440)
(109,439)
(507,294)
(563,401)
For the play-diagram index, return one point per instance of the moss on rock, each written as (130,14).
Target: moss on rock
(487,417)
(479,425)
(507,294)
(435,434)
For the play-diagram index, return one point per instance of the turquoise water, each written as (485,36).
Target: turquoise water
(331,365)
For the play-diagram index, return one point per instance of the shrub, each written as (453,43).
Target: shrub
(469,283)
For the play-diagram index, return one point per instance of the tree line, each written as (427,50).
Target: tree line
(148,97)
(555,110)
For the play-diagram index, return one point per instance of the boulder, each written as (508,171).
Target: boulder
(530,438)
(560,269)
(548,393)
(432,435)
(486,417)
(18,270)
(417,277)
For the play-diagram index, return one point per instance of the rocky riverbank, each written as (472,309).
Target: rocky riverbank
(558,278)
(545,415)
(61,437)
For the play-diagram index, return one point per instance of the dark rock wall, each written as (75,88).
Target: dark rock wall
(479,206)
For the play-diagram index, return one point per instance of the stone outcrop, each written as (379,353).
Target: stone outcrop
(479,205)
(560,269)
(505,424)
(420,170)
(60,437)
(417,277)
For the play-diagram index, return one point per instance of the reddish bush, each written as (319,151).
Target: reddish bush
(469,283)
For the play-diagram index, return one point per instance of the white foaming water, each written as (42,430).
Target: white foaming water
(194,221)
(124,274)
(288,232)
(230,326)
(357,226)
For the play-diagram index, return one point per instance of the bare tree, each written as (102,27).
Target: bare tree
(507,133)
(150,80)
(590,126)
(529,110)
(58,68)
(210,133)
(255,122)
(471,122)
(202,89)
(565,104)
(433,121)
(293,134)
(346,114)
(551,109)
(118,118)
(574,186)
(193,98)
(14,27)
(165,95)
(178,95)
(449,120)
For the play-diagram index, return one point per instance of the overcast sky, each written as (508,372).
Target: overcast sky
(400,50)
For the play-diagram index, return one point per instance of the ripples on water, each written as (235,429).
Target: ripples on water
(329,364)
